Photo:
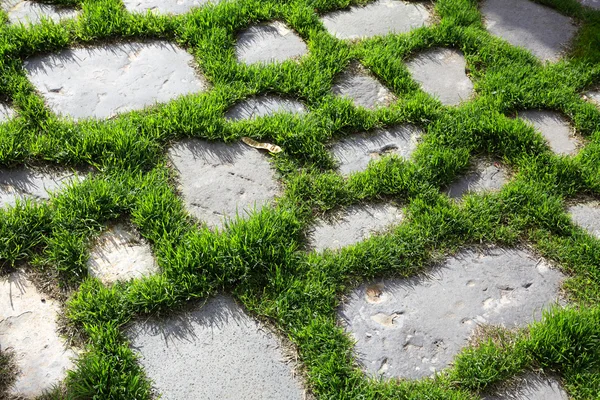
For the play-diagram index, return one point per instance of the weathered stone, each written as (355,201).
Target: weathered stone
(555,128)
(413,327)
(357,84)
(121,254)
(593,96)
(262,106)
(6,112)
(25,12)
(354,225)
(165,6)
(442,73)
(377,18)
(215,352)
(354,153)
(540,29)
(587,215)
(591,3)
(485,176)
(219,180)
(28,328)
(531,387)
(270,42)
(102,81)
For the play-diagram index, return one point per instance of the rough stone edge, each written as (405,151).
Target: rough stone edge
(356,67)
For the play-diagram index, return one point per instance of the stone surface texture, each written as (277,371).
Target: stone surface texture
(215,352)
(587,215)
(102,81)
(593,96)
(33,184)
(357,84)
(591,3)
(164,6)
(441,72)
(485,176)
(235,178)
(353,225)
(263,106)
(377,18)
(540,29)
(28,329)
(555,128)
(531,387)
(121,254)
(6,112)
(354,153)
(411,328)
(26,12)
(270,42)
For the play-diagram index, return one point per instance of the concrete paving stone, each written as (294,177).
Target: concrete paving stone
(234,178)
(121,254)
(270,42)
(377,18)
(441,72)
(411,328)
(263,106)
(102,81)
(353,225)
(485,176)
(593,96)
(531,387)
(591,3)
(357,84)
(165,6)
(540,29)
(25,12)
(215,352)
(6,112)
(354,153)
(555,128)
(587,216)
(28,328)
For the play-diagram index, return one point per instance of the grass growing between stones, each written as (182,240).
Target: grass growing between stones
(7,371)
(261,259)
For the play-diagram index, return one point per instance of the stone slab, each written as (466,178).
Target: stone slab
(411,328)
(378,18)
(593,96)
(270,42)
(264,106)
(215,352)
(531,387)
(357,84)
(354,153)
(540,29)
(353,225)
(174,7)
(595,4)
(217,179)
(485,176)
(587,216)
(102,81)
(121,254)
(556,130)
(6,112)
(441,72)
(28,328)
(31,12)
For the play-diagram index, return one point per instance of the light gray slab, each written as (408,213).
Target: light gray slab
(555,128)
(411,328)
(215,352)
(540,29)
(357,84)
(377,18)
(485,176)
(353,225)
(102,81)
(263,106)
(218,180)
(591,3)
(6,112)
(354,153)
(531,387)
(593,96)
(26,12)
(442,73)
(165,6)
(587,215)
(270,42)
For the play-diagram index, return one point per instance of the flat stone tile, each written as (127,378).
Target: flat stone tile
(121,254)
(263,106)
(354,153)
(377,18)
(591,3)
(353,225)
(587,216)
(6,112)
(442,73)
(26,12)
(485,176)
(270,42)
(540,29)
(215,352)
(593,96)
(357,84)
(531,387)
(165,6)
(102,81)
(217,179)
(28,328)
(411,328)
(555,128)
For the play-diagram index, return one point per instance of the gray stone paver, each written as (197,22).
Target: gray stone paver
(270,42)
(441,72)
(263,106)
(103,81)
(411,328)
(215,352)
(587,215)
(355,152)
(377,18)
(595,4)
(165,6)
(532,387)
(540,29)
(485,176)
(6,112)
(357,84)
(555,128)
(594,97)
(234,178)
(26,12)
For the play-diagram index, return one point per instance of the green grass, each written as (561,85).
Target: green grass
(7,372)
(261,260)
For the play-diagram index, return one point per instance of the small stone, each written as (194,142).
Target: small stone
(357,84)
(486,176)
(174,7)
(263,106)
(531,387)
(6,112)
(587,216)
(595,4)
(270,42)
(555,128)
(32,12)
